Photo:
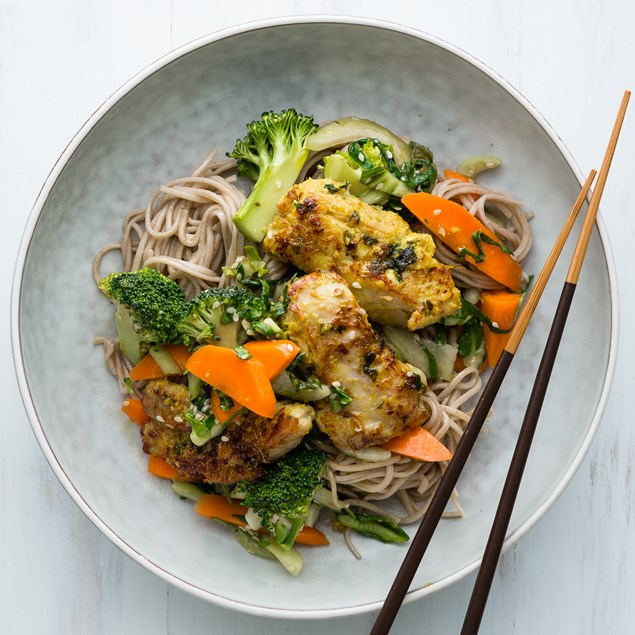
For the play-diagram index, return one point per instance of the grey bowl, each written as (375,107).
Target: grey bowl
(161,124)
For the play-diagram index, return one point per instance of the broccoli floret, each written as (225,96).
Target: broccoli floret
(272,155)
(282,498)
(148,307)
(215,316)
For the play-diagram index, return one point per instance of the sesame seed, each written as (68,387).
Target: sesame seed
(389,154)
(360,156)
(410,374)
(495,325)
(160,419)
(224,438)
(386,298)
(337,384)
(441,231)
(178,419)
(379,186)
(270,234)
(250,333)
(358,428)
(356,285)
(436,212)
(126,402)
(215,305)
(235,317)
(367,181)
(231,310)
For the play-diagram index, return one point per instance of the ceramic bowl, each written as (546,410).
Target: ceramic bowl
(160,125)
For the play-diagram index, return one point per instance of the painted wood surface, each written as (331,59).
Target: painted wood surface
(574,573)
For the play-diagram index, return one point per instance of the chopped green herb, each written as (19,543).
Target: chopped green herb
(242,352)
(338,398)
(479,237)
(334,189)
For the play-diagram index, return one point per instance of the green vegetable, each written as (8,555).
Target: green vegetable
(338,398)
(472,166)
(252,544)
(468,312)
(420,173)
(373,525)
(242,352)
(290,386)
(164,359)
(272,155)
(341,132)
(187,490)
(281,499)
(472,344)
(215,315)
(290,559)
(148,307)
(479,237)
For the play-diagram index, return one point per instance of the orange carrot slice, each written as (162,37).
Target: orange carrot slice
(501,307)
(147,368)
(223,415)
(418,444)
(455,226)
(216,506)
(451,174)
(311,536)
(160,467)
(275,355)
(244,380)
(134,409)
(179,353)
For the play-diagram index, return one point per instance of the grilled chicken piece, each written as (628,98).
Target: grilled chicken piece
(390,269)
(167,402)
(246,445)
(326,321)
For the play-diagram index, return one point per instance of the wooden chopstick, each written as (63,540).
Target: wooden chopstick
(500,525)
(446,485)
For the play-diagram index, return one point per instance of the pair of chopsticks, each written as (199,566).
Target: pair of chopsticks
(439,500)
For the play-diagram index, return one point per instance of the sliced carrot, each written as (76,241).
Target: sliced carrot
(244,380)
(451,174)
(275,355)
(455,226)
(160,467)
(216,506)
(418,444)
(220,414)
(311,536)
(147,368)
(180,354)
(134,409)
(501,307)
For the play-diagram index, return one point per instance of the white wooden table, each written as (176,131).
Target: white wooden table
(574,573)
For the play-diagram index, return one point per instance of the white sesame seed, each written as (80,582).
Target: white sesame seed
(215,305)
(356,285)
(495,325)
(337,384)
(441,231)
(224,438)
(389,154)
(160,419)
(436,212)
(379,186)
(270,234)
(367,181)
(358,428)
(250,332)
(231,310)
(235,317)
(360,156)
(410,374)
(178,419)
(126,402)
(246,324)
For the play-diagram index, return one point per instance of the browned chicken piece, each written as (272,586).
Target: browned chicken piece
(390,269)
(167,402)
(246,445)
(326,321)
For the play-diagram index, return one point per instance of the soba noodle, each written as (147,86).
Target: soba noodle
(186,232)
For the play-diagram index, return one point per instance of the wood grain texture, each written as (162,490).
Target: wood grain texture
(574,573)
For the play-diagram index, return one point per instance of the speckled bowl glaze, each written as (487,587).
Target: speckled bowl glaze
(161,125)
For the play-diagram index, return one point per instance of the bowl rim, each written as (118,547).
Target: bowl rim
(52,178)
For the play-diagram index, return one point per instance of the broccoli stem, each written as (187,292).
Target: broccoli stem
(259,209)
(291,560)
